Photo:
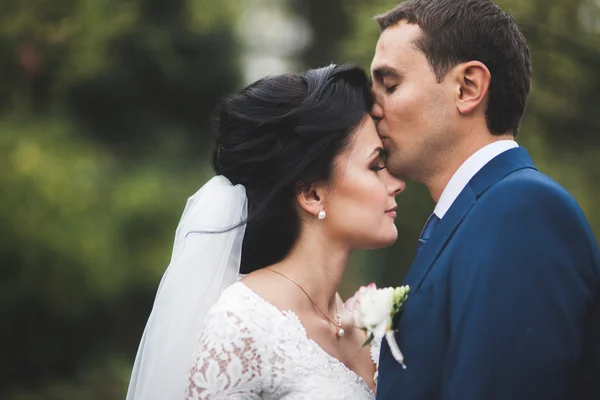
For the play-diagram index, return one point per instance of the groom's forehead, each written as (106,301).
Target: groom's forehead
(395,47)
(397,42)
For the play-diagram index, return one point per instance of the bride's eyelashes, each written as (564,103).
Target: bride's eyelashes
(377,167)
(379,162)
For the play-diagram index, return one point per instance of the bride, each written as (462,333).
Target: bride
(300,184)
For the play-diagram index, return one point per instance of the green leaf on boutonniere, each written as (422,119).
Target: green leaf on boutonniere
(369,340)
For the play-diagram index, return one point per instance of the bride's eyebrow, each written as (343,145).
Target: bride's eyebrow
(379,151)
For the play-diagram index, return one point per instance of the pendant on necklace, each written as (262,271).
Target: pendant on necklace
(340,332)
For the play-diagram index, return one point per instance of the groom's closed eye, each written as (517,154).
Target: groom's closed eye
(386,76)
(390,89)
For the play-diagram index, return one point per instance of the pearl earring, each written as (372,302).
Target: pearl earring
(322,214)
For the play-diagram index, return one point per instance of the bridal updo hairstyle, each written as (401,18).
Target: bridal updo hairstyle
(279,136)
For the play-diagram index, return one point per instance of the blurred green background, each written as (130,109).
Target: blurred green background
(104,133)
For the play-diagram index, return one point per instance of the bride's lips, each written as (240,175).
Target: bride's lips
(392,212)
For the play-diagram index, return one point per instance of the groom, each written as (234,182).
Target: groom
(505,299)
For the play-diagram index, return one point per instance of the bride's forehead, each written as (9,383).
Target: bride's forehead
(364,139)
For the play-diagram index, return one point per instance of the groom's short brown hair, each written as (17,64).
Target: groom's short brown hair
(456,31)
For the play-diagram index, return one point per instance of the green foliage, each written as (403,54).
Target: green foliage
(82,234)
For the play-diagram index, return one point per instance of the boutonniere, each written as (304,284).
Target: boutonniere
(373,311)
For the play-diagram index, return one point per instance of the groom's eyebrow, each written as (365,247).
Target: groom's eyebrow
(385,71)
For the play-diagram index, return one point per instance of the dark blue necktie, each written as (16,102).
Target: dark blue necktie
(428,229)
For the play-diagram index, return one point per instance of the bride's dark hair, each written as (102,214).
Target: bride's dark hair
(277,137)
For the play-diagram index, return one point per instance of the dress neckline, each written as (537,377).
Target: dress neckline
(291,316)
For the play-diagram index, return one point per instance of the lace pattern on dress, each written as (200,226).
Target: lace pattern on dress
(249,349)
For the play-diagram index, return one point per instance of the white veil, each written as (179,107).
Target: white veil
(202,265)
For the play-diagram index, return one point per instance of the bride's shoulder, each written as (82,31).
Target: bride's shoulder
(234,297)
(239,305)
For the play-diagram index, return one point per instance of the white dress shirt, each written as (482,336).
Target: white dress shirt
(467,170)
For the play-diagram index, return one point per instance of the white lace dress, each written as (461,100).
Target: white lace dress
(249,349)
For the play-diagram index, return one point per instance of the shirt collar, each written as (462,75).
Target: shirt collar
(467,170)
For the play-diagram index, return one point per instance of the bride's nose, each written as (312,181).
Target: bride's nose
(396,186)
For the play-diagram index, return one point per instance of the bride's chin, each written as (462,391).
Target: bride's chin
(385,242)
(393,236)
(391,241)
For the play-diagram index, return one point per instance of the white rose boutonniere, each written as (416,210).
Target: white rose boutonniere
(373,311)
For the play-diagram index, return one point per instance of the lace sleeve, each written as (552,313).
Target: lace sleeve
(226,363)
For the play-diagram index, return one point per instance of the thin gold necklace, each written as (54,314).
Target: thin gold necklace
(339,333)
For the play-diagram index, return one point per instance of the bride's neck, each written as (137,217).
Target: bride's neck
(318,266)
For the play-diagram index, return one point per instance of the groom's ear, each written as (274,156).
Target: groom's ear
(311,199)
(473,82)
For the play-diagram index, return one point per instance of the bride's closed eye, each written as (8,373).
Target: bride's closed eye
(378,166)
(379,162)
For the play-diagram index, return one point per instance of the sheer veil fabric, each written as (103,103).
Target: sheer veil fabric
(203,263)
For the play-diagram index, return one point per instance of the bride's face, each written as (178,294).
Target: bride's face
(361,205)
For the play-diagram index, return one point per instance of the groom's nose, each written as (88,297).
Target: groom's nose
(377,113)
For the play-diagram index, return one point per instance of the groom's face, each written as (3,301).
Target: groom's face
(414,110)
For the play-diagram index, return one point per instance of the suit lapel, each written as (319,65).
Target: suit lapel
(499,167)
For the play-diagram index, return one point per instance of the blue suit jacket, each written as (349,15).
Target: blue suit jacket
(505,300)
